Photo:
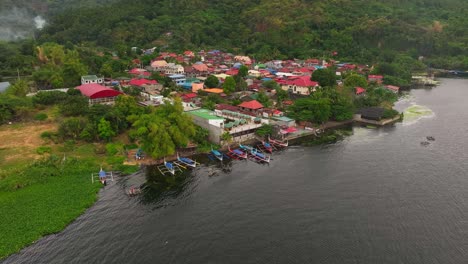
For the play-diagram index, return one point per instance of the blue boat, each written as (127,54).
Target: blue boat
(217,154)
(237,153)
(187,161)
(170,167)
(255,153)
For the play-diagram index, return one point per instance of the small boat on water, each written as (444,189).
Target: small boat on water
(267,146)
(186,161)
(255,153)
(237,153)
(260,156)
(278,142)
(217,154)
(169,166)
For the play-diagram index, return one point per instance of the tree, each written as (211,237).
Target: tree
(325,77)
(20,88)
(243,71)
(312,109)
(264,130)
(73,69)
(270,84)
(105,129)
(281,95)
(212,82)
(74,106)
(264,99)
(241,84)
(229,85)
(72,127)
(355,80)
(163,130)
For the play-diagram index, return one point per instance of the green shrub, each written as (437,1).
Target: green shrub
(40,117)
(43,149)
(390,113)
(113,148)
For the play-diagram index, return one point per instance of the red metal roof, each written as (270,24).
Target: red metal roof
(375,77)
(360,90)
(303,81)
(94,90)
(254,105)
(140,82)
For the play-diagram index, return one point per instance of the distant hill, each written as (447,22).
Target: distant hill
(358,30)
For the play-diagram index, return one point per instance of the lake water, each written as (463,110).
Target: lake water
(378,196)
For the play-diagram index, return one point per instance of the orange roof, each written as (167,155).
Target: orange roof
(254,105)
(213,90)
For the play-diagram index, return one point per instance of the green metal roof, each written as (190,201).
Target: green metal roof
(205,114)
(89,77)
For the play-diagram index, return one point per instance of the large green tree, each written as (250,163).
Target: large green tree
(325,77)
(229,85)
(211,81)
(163,130)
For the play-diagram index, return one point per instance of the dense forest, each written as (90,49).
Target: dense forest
(361,31)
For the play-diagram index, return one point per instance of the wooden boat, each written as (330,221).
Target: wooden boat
(187,161)
(260,156)
(278,142)
(267,146)
(255,153)
(217,154)
(170,167)
(237,153)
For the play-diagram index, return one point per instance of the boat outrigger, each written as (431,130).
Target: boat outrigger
(186,161)
(217,154)
(237,153)
(265,146)
(255,153)
(260,156)
(169,167)
(278,142)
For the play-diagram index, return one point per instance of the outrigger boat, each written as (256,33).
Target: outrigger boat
(187,161)
(170,167)
(237,153)
(255,153)
(267,146)
(217,154)
(277,142)
(260,156)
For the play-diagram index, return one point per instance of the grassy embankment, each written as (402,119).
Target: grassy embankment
(40,191)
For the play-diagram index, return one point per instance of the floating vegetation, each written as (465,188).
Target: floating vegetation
(415,113)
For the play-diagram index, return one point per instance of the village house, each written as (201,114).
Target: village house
(375,78)
(252,106)
(173,68)
(158,65)
(359,91)
(179,79)
(392,88)
(98,94)
(301,85)
(87,79)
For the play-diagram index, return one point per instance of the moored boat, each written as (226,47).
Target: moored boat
(169,166)
(237,153)
(217,154)
(267,146)
(278,142)
(187,161)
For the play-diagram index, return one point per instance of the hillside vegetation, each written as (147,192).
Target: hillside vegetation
(358,30)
